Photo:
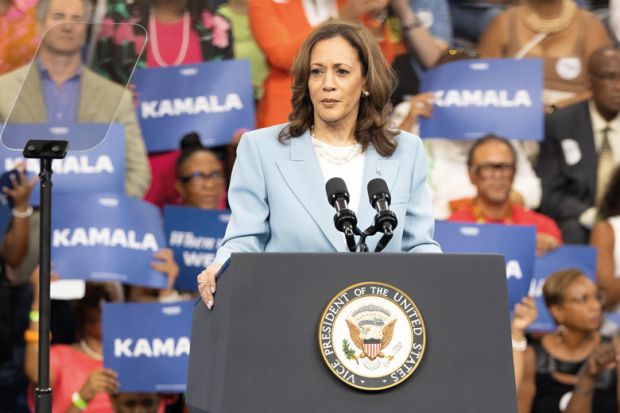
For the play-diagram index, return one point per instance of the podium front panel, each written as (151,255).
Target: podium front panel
(257,350)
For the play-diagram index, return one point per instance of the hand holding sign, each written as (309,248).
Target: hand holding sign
(524,314)
(99,381)
(167,265)
(20,188)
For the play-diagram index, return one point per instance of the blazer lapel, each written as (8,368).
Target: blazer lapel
(375,166)
(304,177)
(30,105)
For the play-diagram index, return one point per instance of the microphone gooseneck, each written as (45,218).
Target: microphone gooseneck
(344,219)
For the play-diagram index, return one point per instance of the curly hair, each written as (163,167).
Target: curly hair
(372,119)
(610,203)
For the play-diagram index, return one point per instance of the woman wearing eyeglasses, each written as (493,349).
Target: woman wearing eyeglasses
(200,176)
(552,364)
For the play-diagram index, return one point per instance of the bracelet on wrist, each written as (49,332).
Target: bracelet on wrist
(22,214)
(34,316)
(519,345)
(78,401)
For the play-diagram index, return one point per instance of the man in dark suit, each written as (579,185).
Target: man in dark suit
(580,149)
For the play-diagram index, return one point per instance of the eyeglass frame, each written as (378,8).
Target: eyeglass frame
(503,169)
(210,177)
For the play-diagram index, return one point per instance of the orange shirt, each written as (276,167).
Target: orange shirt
(18,35)
(280,27)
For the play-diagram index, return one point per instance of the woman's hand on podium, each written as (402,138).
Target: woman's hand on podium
(206,283)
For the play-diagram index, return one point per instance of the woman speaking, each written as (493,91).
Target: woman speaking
(338,128)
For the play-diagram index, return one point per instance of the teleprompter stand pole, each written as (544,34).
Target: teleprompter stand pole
(46,151)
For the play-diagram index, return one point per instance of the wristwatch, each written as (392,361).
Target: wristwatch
(413,25)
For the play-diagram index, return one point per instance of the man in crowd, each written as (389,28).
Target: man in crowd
(580,149)
(491,165)
(58,89)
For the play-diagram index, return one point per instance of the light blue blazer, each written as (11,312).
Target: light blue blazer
(278,200)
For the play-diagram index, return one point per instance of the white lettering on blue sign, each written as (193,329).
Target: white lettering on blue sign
(190,106)
(482,98)
(536,287)
(197,259)
(189,240)
(107,237)
(72,164)
(513,269)
(156,347)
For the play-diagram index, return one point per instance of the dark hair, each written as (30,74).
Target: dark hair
(486,139)
(195,8)
(556,284)
(610,203)
(374,110)
(190,144)
(93,296)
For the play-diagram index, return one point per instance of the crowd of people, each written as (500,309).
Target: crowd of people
(568,186)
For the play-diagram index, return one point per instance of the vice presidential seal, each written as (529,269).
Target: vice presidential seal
(372,336)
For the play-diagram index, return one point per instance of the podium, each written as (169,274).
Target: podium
(258,349)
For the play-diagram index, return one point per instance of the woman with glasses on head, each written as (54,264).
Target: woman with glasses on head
(552,364)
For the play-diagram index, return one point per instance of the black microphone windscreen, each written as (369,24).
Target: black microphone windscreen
(375,187)
(336,186)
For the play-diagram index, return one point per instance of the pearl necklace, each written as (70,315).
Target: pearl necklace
(323,152)
(155,44)
(89,351)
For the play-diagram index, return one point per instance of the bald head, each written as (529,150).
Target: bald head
(604,70)
(600,56)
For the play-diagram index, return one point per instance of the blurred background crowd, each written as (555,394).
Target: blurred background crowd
(569,189)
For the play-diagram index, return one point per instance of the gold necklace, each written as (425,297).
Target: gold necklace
(539,24)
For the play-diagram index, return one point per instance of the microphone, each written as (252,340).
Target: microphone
(345,219)
(385,219)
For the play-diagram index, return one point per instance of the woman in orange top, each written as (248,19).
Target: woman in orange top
(280,27)
(18,33)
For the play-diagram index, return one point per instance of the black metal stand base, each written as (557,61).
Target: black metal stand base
(46,151)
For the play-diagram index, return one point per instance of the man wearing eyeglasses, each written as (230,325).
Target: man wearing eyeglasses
(580,149)
(491,165)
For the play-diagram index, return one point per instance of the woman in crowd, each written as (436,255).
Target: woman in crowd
(200,178)
(76,371)
(553,362)
(180,32)
(555,30)
(339,127)
(604,237)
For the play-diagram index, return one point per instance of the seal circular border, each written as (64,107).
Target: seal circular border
(352,286)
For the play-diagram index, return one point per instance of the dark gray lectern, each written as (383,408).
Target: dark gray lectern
(257,350)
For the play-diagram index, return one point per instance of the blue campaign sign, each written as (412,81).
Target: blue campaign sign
(213,99)
(101,169)
(476,97)
(581,257)
(107,237)
(5,216)
(517,243)
(194,235)
(148,345)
